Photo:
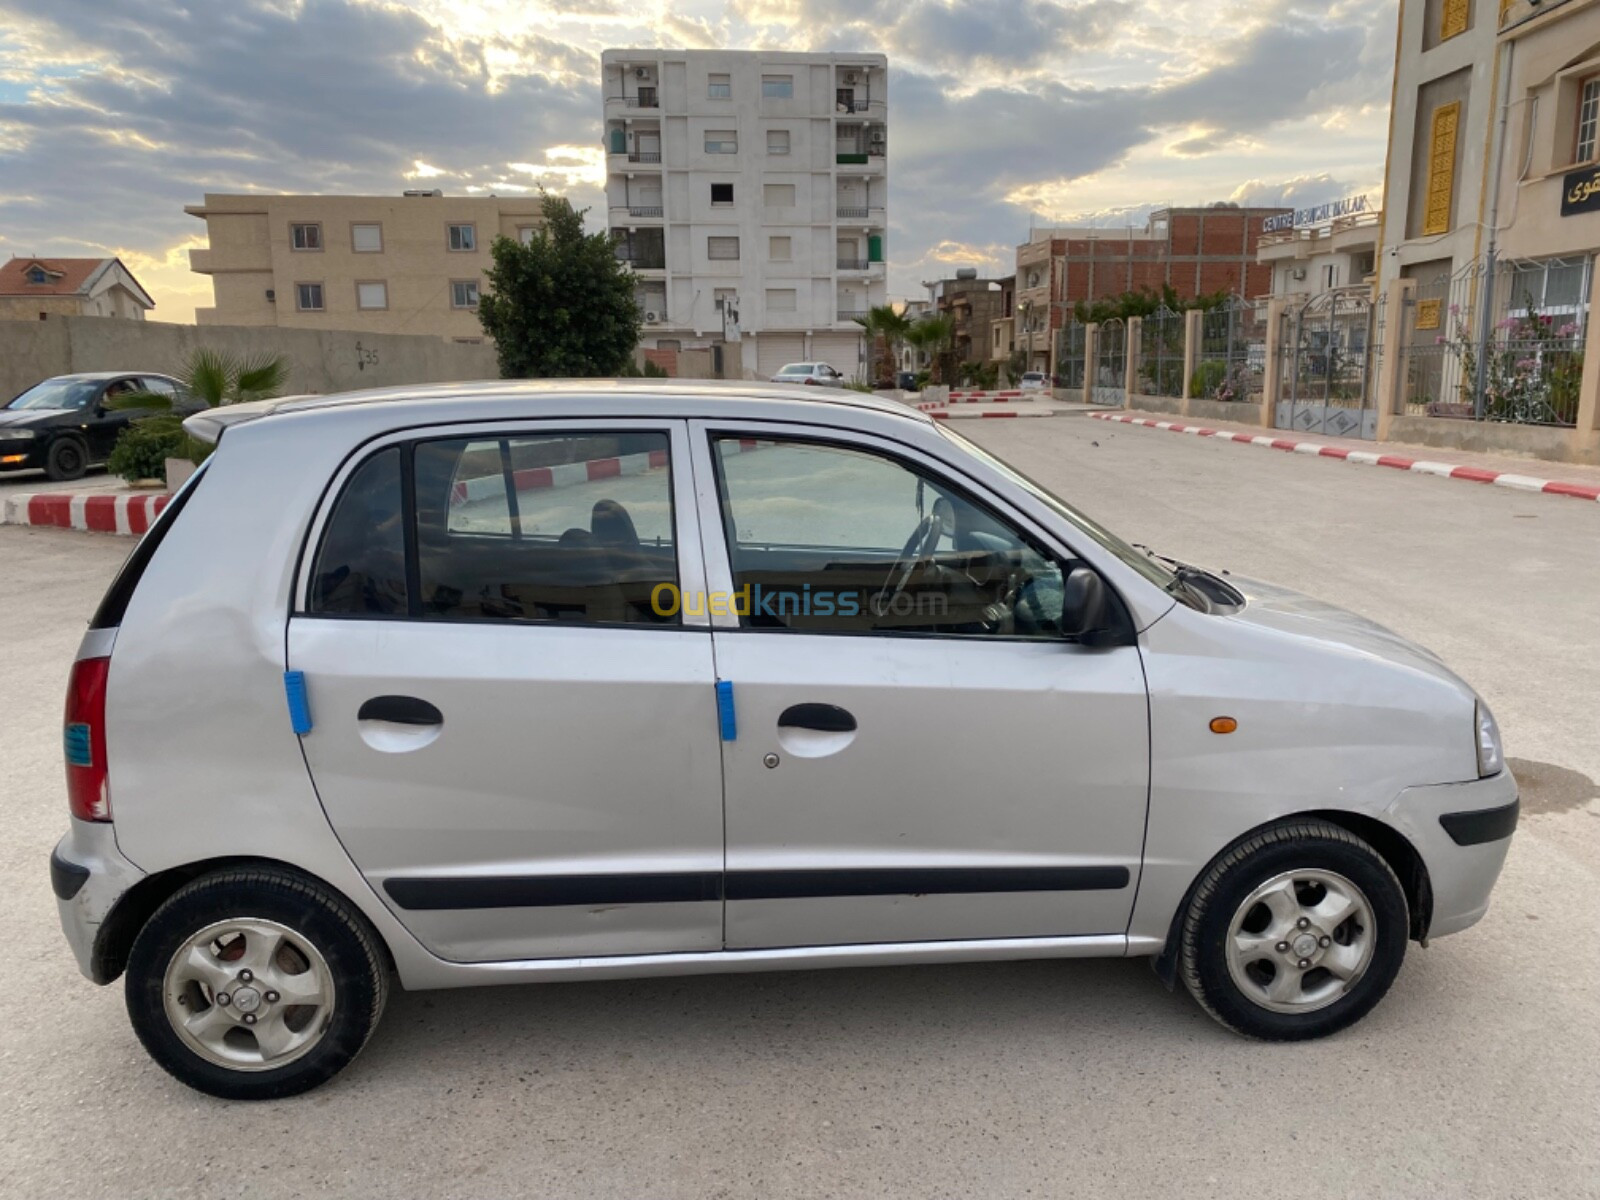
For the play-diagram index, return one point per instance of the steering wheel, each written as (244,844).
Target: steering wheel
(919,548)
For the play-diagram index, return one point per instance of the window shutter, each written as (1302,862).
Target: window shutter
(1453,18)
(1441,170)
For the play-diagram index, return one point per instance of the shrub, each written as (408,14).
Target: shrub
(1208,377)
(143,448)
(651,370)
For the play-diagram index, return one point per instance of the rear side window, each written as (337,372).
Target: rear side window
(572,527)
(361,565)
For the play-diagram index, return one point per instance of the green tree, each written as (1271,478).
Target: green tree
(562,305)
(208,379)
(885,322)
(934,335)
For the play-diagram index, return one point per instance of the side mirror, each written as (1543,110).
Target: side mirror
(1083,604)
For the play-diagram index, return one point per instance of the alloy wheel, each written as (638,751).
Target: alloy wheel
(1301,940)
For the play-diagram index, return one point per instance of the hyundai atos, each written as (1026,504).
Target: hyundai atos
(528,682)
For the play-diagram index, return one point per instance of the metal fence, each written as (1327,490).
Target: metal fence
(1233,352)
(1161,353)
(1328,358)
(1111,364)
(1503,344)
(1071,350)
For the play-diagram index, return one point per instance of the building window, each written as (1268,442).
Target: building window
(372,295)
(366,239)
(777,87)
(722,193)
(463,237)
(719,87)
(778,195)
(1454,17)
(779,249)
(1588,120)
(722,141)
(37,275)
(1439,209)
(781,299)
(308,297)
(777,141)
(722,248)
(305,235)
(525,234)
(464,293)
(1330,277)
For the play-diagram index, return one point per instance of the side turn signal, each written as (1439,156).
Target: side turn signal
(1224,725)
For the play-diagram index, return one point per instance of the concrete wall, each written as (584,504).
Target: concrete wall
(320,361)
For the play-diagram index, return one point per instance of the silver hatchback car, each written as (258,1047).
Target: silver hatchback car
(529,682)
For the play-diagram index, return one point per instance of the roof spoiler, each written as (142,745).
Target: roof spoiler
(209,424)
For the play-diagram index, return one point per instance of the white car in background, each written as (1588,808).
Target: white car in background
(812,374)
(1035,381)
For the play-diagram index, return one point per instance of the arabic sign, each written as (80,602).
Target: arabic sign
(1304,218)
(1581,192)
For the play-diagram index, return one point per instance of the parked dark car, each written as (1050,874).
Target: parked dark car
(65,425)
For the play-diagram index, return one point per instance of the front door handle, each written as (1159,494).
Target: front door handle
(400,710)
(824,718)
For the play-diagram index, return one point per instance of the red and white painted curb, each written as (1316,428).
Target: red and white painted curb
(117,513)
(987,397)
(971,414)
(1522,483)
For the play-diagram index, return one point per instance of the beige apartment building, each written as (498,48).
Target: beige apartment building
(413,263)
(1492,227)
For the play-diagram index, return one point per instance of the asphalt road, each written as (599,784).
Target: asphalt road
(1476,1077)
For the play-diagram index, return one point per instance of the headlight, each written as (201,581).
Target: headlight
(1491,761)
(17,435)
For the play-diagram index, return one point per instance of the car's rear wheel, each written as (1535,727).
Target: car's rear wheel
(252,984)
(1294,933)
(66,459)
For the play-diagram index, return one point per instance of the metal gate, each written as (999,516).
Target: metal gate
(1329,358)
(1071,351)
(1111,364)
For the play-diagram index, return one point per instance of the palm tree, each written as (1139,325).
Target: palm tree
(210,379)
(933,335)
(883,321)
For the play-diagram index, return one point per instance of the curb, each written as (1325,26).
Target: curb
(1522,483)
(941,414)
(969,397)
(124,514)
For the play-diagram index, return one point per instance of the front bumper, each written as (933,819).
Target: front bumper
(89,875)
(21,456)
(1463,832)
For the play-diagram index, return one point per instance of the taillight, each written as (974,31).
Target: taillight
(84,734)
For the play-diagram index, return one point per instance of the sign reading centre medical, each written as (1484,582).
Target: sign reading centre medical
(1581,193)
(1304,218)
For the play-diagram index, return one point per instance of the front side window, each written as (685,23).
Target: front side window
(781,299)
(829,539)
(777,141)
(366,238)
(722,193)
(722,248)
(463,237)
(305,235)
(779,249)
(372,295)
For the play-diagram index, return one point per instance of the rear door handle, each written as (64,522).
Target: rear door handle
(824,718)
(400,710)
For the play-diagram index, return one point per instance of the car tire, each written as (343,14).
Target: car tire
(66,459)
(237,949)
(1264,948)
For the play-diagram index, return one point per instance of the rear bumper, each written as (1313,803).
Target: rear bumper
(89,875)
(1463,832)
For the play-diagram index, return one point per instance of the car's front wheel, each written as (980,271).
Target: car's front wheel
(1294,933)
(254,983)
(67,459)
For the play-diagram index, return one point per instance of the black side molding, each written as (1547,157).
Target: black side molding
(1485,825)
(551,891)
(66,878)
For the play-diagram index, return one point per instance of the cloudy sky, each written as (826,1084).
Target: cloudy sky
(114,114)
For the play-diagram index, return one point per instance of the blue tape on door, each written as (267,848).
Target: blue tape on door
(725,713)
(294,687)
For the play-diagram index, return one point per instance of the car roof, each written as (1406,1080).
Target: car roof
(97,376)
(490,399)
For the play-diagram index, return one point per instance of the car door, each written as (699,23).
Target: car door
(512,730)
(102,424)
(920,754)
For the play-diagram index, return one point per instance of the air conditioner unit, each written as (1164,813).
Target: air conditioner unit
(651,318)
(849,76)
(1298,273)
(272,296)
(641,73)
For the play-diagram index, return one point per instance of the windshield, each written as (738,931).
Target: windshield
(57,393)
(1152,569)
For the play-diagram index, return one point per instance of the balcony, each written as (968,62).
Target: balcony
(645,156)
(645,98)
(867,217)
(853,264)
(644,260)
(852,314)
(633,211)
(645,210)
(852,213)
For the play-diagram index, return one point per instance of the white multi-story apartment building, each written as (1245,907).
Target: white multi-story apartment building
(749,190)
